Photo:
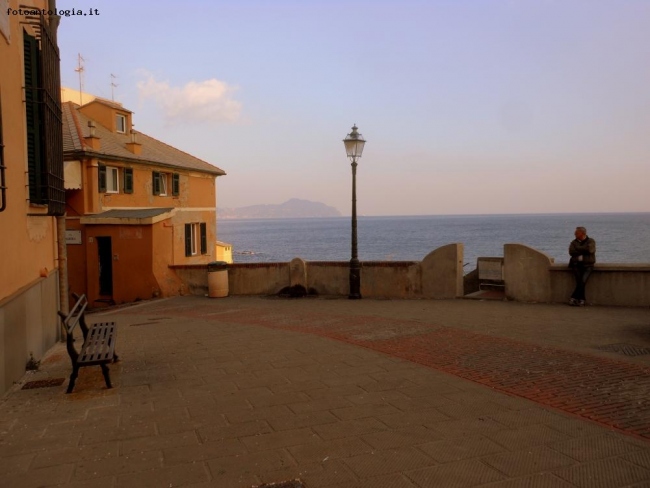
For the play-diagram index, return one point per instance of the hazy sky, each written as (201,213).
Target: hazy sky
(468,106)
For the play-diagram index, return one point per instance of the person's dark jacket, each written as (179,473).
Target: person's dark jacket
(586,249)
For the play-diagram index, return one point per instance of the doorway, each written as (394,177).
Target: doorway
(105,251)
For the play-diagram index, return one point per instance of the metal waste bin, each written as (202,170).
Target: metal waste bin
(217,279)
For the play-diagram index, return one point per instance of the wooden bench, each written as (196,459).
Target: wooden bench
(99,342)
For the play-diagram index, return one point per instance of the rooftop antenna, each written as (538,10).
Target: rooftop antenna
(113,85)
(80,69)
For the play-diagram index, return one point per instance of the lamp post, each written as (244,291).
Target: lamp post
(354,143)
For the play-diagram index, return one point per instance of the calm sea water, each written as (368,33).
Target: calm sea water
(620,238)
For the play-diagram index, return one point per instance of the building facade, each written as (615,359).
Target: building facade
(31,186)
(135,206)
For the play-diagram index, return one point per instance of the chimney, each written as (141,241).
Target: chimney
(134,146)
(92,140)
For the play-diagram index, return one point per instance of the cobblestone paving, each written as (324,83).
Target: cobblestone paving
(245,391)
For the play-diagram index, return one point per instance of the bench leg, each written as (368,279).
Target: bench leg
(115,358)
(107,376)
(73,378)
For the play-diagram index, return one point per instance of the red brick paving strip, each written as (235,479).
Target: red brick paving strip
(613,393)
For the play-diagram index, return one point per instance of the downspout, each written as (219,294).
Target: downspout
(62,248)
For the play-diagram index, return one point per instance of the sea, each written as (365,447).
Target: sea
(620,237)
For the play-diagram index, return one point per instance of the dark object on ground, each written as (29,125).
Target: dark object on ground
(99,342)
(297,291)
(31,385)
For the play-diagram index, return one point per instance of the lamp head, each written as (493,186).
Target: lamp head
(354,143)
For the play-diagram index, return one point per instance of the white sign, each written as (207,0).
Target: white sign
(73,237)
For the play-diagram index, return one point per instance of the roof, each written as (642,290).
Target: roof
(138,216)
(113,145)
(110,103)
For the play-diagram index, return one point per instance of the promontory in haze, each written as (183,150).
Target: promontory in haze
(291,209)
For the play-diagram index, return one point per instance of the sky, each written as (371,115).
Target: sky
(467,106)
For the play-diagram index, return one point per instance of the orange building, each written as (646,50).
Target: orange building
(31,186)
(134,205)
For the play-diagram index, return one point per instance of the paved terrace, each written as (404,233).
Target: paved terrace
(238,392)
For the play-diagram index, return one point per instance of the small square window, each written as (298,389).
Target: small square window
(120,123)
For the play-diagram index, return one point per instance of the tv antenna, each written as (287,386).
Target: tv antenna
(80,69)
(113,85)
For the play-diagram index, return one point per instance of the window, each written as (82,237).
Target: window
(120,123)
(176,186)
(159,186)
(43,120)
(108,179)
(163,184)
(128,180)
(195,236)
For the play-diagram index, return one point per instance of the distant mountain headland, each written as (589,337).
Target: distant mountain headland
(291,209)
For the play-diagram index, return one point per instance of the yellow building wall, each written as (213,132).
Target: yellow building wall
(165,241)
(28,284)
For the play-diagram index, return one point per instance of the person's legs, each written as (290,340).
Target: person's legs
(586,272)
(578,291)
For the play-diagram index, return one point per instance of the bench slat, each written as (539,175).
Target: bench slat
(99,346)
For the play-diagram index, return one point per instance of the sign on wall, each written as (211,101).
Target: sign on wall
(73,237)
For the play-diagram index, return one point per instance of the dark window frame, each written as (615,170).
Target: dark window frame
(42,90)
(101,178)
(176,184)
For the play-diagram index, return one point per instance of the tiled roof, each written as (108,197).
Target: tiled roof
(110,104)
(138,213)
(113,145)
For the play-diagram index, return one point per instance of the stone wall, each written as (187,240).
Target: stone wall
(531,276)
(439,275)
(28,324)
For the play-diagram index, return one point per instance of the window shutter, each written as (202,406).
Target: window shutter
(128,180)
(102,178)
(188,239)
(37,186)
(156,183)
(204,238)
(176,186)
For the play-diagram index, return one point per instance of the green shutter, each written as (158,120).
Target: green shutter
(204,238)
(128,180)
(176,184)
(102,178)
(156,183)
(188,239)
(37,187)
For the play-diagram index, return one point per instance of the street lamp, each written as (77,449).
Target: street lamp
(354,143)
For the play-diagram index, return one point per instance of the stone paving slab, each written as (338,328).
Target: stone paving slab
(238,392)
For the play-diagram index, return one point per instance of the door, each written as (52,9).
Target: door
(105,250)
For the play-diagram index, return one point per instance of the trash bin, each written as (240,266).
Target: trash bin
(217,279)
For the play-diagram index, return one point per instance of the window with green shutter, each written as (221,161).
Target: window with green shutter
(156,183)
(102,178)
(128,180)
(37,185)
(176,184)
(204,238)
(188,239)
